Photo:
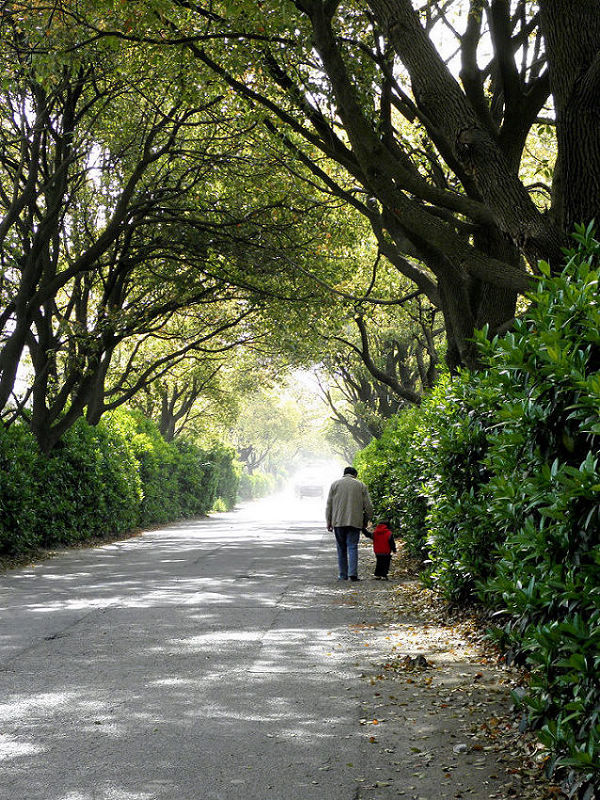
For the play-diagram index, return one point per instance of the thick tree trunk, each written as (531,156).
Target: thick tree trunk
(491,305)
(476,285)
(470,140)
(166,424)
(572,34)
(96,394)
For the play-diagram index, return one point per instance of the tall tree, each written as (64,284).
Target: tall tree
(378,365)
(130,203)
(418,116)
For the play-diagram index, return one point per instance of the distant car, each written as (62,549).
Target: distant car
(308,488)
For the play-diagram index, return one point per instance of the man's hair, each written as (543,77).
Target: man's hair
(350,471)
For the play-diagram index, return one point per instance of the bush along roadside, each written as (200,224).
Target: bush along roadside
(393,469)
(546,499)
(505,474)
(256,485)
(427,474)
(104,481)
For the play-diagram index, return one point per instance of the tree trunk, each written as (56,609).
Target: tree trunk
(572,34)
(166,424)
(472,142)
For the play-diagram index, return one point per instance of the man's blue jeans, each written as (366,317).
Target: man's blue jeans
(346,539)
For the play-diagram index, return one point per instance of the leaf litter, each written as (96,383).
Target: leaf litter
(442,705)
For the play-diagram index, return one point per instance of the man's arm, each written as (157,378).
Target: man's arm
(328,510)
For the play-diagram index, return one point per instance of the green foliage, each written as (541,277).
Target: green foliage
(92,486)
(157,468)
(88,487)
(426,474)
(507,461)
(279,425)
(258,484)
(228,472)
(546,480)
(460,541)
(18,488)
(394,477)
(179,479)
(105,480)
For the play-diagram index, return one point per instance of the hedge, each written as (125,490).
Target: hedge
(103,481)
(259,484)
(394,480)
(502,468)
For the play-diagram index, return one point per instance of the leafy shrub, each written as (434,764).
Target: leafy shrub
(86,490)
(544,456)
(19,517)
(391,468)
(228,471)
(259,484)
(196,477)
(157,470)
(179,479)
(88,486)
(427,475)
(104,480)
(460,541)
(508,461)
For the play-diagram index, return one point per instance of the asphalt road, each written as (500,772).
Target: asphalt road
(210,660)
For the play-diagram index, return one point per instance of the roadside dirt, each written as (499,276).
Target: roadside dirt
(437,707)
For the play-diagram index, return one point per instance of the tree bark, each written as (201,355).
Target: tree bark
(475,286)
(572,35)
(470,139)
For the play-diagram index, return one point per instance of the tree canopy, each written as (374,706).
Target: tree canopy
(418,116)
(262,161)
(139,231)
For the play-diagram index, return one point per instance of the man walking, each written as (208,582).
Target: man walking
(348,509)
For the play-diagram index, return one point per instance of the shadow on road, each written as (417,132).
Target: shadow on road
(205,660)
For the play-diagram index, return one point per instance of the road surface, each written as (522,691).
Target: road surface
(209,660)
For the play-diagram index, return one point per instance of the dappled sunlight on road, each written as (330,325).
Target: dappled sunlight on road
(282,518)
(11,747)
(212,651)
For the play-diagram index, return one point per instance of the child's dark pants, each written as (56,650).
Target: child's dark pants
(382,567)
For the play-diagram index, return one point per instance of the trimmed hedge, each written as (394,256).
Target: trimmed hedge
(87,487)
(395,480)
(259,484)
(103,481)
(544,460)
(229,473)
(503,469)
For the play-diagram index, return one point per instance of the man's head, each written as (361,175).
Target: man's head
(350,471)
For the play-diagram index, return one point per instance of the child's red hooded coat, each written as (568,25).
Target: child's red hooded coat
(383,541)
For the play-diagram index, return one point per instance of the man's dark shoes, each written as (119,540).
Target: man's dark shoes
(354,578)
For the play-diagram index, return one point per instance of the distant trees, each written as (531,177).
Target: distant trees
(380,364)
(278,429)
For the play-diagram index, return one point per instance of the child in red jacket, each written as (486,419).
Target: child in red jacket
(383,547)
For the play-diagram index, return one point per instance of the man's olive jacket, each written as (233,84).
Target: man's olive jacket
(348,503)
